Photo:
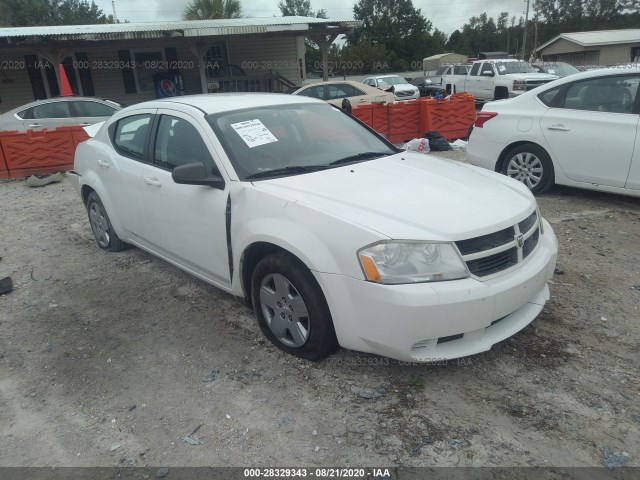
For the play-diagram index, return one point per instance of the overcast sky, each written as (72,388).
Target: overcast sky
(445,15)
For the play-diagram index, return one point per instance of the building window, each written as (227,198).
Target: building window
(147,65)
(635,54)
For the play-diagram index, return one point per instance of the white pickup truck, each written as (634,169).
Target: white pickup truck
(497,79)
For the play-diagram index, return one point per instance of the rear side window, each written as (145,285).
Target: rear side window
(475,69)
(50,110)
(130,135)
(549,96)
(342,90)
(460,71)
(93,109)
(23,113)
(441,70)
(605,94)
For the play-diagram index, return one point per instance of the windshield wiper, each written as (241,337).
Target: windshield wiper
(360,156)
(287,170)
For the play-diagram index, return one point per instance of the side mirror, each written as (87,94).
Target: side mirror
(196,174)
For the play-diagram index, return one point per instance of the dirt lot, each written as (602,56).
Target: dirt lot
(110,359)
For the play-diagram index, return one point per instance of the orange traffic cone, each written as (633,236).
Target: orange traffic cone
(65,86)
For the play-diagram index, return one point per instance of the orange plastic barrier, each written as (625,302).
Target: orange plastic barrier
(37,153)
(402,121)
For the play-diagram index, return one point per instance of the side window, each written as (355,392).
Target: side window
(549,96)
(486,68)
(357,91)
(475,69)
(93,109)
(315,92)
(24,113)
(51,110)
(441,71)
(178,143)
(130,135)
(460,71)
(340,90)
(608,94)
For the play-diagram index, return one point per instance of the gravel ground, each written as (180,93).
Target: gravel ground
(121,359)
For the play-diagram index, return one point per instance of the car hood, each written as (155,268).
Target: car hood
(531,76)
(411,196)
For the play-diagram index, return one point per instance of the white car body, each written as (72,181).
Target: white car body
(336,91)
(324,218)
(591,142)
(402,90)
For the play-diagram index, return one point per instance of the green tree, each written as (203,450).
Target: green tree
(301,8)
(23,13)
(397,25)
(364,56)
(212,9)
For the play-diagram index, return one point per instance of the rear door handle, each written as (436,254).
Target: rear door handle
(152,181)
(104,163)
(35,125)
(559,127)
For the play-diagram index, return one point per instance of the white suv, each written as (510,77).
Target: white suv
(402,90)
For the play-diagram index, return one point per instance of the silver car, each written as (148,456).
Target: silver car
(58,112)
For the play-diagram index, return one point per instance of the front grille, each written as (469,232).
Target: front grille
(485,242)
(533,84)
(527,223)
(493,263)
(530,243)
(514,244)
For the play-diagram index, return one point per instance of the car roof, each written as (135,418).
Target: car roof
(55,99)
(386,76)
(225,102)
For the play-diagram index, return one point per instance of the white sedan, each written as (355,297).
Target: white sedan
(582,131)
(336,237)
(401,89)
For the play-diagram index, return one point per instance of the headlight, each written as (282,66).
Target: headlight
(519,85)
(394,263)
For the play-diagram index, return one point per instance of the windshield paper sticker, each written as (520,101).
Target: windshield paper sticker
(254,133)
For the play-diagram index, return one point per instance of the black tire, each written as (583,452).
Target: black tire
(302,287)
(103,231)
(529,162)
(501,93)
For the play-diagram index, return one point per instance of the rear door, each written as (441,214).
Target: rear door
(593,130)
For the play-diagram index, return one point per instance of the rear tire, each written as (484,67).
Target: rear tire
(531,165)
(291,309)
(101,227)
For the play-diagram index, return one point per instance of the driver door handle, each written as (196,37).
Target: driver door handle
(152,181)
(559,127)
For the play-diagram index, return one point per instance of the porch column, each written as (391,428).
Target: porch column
(199,49)
(324,42)
(55,56)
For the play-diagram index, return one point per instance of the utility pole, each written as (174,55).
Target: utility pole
(113,7)
(524,36)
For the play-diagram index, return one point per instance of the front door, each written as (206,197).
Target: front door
(185,224)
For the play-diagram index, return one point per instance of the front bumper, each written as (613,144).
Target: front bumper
(429,322)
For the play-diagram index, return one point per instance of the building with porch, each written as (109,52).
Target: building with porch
(123,61)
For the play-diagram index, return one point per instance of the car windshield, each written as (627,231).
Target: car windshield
(391,80)
(293,139)
(505,68)
(562,69)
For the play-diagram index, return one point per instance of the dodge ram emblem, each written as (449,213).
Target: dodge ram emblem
(520,240)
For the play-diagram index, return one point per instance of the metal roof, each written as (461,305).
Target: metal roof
(598,37)
(441,55)
(186,28)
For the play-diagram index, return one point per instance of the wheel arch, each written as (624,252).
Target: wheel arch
(85,191)
(250,257)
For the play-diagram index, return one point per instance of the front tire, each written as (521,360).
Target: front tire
(101,227)
(291,309)
(531,165)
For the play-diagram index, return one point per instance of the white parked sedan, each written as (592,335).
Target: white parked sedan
(582,131)
(336,237)
(401,89)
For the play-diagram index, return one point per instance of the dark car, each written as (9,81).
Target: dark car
(426,87)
